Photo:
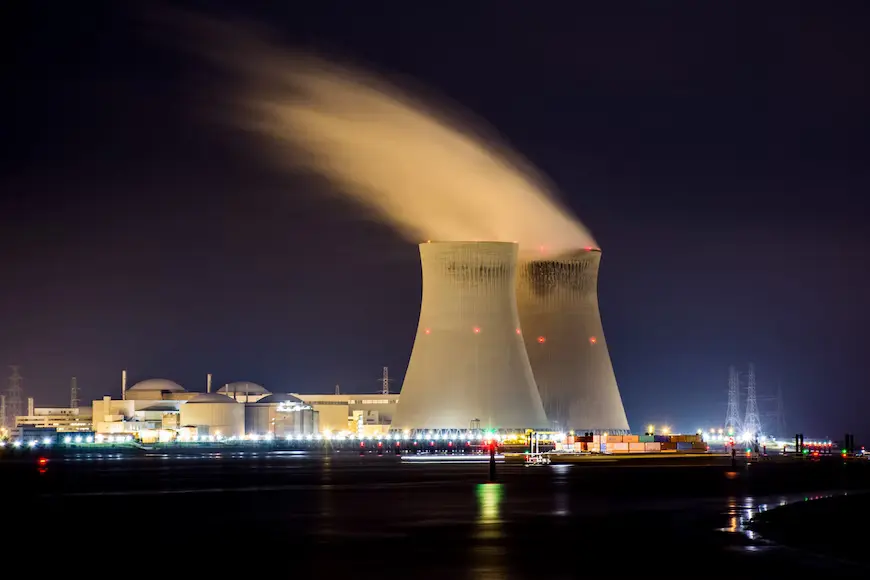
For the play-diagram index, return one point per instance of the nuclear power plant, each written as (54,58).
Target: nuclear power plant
(558,305)
(469,368)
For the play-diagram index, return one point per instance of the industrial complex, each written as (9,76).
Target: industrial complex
(507,345)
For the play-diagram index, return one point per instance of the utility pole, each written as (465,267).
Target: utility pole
(732,417)
(752,420)
(13,396)
(74,394)
(386,382)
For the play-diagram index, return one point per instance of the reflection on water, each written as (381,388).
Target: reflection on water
(488,554)
(562,505)
(741,511)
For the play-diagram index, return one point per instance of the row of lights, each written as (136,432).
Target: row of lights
(541,339)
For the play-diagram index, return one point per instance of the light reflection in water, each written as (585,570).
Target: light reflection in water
(488,552)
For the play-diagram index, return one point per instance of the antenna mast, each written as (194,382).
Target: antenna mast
(74,394)
(732,417)
(386,384)
(752,421)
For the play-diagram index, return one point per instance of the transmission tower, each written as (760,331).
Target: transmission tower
(386,382)
(752,420)
(74,394)
(13,396)
(732,417)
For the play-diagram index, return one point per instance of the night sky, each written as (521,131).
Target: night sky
(719,155)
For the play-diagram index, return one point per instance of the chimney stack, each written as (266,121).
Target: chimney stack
(30,406)
(124,385)
(208,384)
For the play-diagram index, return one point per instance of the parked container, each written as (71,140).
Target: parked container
(614,439)
(617,446)
(637,447)
(652,447)
(646,438)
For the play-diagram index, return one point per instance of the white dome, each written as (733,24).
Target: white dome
(157,385)
(211,398)
(243,388)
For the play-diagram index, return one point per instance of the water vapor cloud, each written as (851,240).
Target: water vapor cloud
(416,166)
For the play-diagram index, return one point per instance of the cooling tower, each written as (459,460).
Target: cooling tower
(469,367)
(558,304)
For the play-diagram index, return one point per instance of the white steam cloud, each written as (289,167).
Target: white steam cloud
(421,171)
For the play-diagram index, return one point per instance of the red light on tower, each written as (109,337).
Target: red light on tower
(518,331)
(592,340)
(542,339)
(476,330)
(427,331)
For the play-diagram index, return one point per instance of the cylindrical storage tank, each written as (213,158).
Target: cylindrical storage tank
(221,414)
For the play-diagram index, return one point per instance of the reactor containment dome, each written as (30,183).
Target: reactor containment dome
(162,385)
(468,367)
(557,298)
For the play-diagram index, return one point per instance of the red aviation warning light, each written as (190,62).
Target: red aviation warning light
(519,331)
(592,340)
(542,339)
(427,331)
(476,330)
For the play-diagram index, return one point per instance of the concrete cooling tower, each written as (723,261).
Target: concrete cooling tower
(469,368)
(557,299)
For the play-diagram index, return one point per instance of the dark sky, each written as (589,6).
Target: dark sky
(717,151)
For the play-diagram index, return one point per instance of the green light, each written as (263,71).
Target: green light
(806,451)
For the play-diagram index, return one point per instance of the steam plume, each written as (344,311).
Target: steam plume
(422,172)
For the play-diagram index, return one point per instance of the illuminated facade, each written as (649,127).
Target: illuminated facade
(468,367)
(558,305)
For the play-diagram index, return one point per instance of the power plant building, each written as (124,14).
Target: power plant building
(282,416)
(469,368)
(558,306)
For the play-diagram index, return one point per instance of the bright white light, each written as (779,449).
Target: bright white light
(254,437)
(46,441)
(32,443)
(78,438)
(309,437)
(16,444)
(90,439)
(2,444)
(270,436)
(288,438)
(99,439)
(747,436)
(67,439)
(406,436)
(129,438)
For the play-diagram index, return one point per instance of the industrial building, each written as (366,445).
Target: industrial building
(558,307)
(61,419)
(281,416)
(151,404)
(469,368)
(365,415)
